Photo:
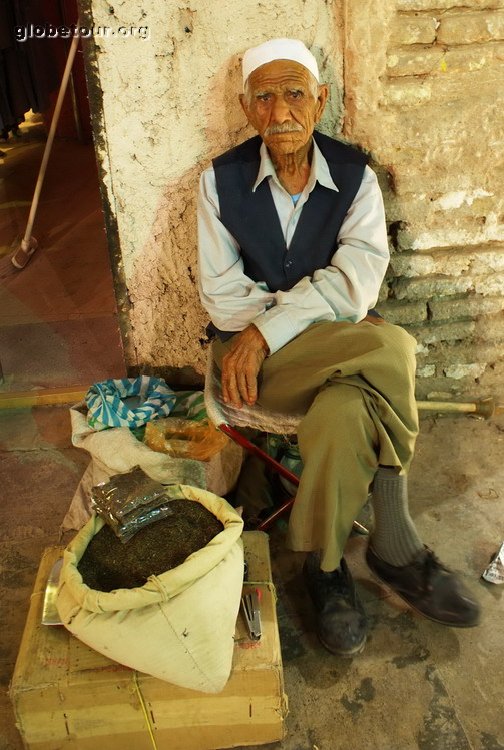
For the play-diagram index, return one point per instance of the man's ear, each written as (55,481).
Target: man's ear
(321,101)
(243,102)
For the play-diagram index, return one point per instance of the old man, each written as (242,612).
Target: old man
(292,252)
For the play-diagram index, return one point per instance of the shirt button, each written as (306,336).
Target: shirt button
(288,264)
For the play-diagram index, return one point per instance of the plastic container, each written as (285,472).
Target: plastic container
(184,438)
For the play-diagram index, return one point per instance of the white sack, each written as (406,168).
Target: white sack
(179,626)
(116,451)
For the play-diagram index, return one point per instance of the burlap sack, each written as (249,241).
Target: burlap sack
(179,626)
(116,451)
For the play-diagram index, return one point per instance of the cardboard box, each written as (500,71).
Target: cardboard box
(67,695)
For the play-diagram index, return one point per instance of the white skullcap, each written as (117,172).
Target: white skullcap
(278,49)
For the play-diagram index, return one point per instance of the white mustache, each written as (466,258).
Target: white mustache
(283,127)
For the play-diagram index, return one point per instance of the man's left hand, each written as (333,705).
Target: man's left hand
(241,365)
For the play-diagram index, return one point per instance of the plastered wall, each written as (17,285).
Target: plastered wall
(418,83)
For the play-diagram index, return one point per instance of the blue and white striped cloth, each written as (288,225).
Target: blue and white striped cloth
(107,408)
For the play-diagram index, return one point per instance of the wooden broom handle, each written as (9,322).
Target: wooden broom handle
(50,137)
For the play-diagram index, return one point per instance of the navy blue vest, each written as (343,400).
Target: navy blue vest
(252,219)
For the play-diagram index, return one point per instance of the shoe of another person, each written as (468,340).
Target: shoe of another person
(341,621)
(429,588)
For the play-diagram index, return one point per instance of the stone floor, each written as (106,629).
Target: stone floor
(416,685)
(58,320)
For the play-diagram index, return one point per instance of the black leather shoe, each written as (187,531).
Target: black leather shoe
(429,588)
(341,621)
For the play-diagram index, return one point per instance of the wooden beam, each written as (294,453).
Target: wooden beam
(42,397)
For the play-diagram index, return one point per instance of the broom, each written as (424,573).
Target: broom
(29,244)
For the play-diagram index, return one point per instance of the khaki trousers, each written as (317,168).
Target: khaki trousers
(355,384)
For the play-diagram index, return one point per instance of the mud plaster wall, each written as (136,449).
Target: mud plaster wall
(418,83)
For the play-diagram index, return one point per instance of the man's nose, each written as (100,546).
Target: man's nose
(280,112)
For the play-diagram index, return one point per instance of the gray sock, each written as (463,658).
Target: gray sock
(394,537)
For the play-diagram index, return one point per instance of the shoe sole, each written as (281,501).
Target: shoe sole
(345,654)
(419,611)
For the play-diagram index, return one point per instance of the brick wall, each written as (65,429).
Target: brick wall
(435,130)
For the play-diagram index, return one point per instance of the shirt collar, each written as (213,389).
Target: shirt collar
(319,169)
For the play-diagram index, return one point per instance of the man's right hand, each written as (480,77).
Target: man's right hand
(241,366)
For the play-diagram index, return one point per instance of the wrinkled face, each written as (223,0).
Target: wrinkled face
(283,102)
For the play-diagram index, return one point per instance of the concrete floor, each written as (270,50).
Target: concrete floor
(416,685)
